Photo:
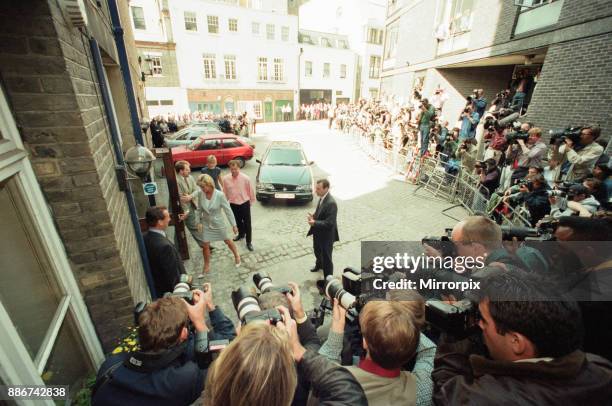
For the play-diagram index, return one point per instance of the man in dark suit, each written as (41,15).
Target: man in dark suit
(323,228)
(164,259)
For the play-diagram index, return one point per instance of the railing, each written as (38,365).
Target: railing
(434,175)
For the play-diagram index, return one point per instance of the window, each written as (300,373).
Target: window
(375,36)
(391,45)
(278,70)
(152,102)
(255,28)
(325,42)
(191,23)
(262,68)
(285,34)
(374,72)
(230,67)
(166,102)
(210,69)
(342,44)
(455,18)
(374,93)
(270,31)
(213,24)
(253,107)
(155,65)
(342,71)
(326,69)
(308,69)
(210,144)
(138,17)
(231,143)
(233,24)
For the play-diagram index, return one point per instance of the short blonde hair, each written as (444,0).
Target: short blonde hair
(205,180)
(256,369)
(390,333)
(414,303)
(535,131)
(211,159)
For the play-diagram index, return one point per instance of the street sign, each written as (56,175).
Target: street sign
(149,188)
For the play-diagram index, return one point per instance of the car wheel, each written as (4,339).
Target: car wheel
(241,162)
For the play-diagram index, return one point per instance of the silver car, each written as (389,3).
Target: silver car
(187,135)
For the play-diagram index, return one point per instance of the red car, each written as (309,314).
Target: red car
(224,147)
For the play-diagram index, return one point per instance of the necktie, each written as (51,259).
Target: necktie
(317,209)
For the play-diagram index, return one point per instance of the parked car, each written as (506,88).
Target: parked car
(224,147)
(188,135)
(209,125)
(284,173)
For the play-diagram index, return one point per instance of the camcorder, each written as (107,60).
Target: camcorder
(442,244)
(246,301)
(458,319)
(558,136)
(544,232)
(517,134)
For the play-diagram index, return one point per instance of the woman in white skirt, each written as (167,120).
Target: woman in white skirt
(212,204)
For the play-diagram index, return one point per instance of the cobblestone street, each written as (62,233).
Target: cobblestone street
(373,205)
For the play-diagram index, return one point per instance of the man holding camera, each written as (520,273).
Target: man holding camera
(534,193)
(469,120)
(576,161)
(479,102)
(578,201)
(489,175)
(533,339)
(170,367)
(530,155)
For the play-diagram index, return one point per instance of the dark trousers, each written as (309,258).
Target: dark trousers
(323,253)
(242,213)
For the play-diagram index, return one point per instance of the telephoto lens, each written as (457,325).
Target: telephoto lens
(333,289)
(244,302)
(263,282)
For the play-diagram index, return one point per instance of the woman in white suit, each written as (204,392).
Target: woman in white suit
(211,205)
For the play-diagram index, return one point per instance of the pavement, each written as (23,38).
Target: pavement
(373,205)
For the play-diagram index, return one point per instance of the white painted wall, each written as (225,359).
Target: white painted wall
(177,95)
(318,56)
(247,47)
(154,27)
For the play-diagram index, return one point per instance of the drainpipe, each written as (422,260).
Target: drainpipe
(127,78)
(97,59)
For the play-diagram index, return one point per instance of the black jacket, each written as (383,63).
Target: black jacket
(165,262)
(179,382)
(574,379)
(332,384)
(325,228)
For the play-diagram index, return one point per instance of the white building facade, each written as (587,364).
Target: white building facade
(363,22)
(157,51)
(236,56)
(327,68)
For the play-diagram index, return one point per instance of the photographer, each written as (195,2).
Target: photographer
(489,175)
(391,338)
(469,120)
(166,369)
(534,193)
(258,368)
(531,154)
(534,347)
(575,162)
(496,142)
(479,102)
(579,201)
(467,153)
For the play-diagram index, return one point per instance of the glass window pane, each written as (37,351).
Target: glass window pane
(69,362)
(27,291)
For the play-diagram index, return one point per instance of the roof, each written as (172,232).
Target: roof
(286,144)
(323,39)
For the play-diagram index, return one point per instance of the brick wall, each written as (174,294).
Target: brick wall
(169,76)
(505,21)
(578,11)
(48,74)
(575,86)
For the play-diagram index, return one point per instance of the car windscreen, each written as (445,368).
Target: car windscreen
(285,156)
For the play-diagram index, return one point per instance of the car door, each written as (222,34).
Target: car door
(231,149)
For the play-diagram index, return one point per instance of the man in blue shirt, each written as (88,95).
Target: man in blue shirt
(480,103)
(469,120)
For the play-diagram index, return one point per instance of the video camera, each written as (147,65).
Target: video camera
(517,134)
(247,305)
(442,244)
(458,320)
(558,136)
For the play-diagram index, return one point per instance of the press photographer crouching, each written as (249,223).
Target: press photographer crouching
(534,193)
(533,343)
(175,350)
(489,175)
(572,199)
